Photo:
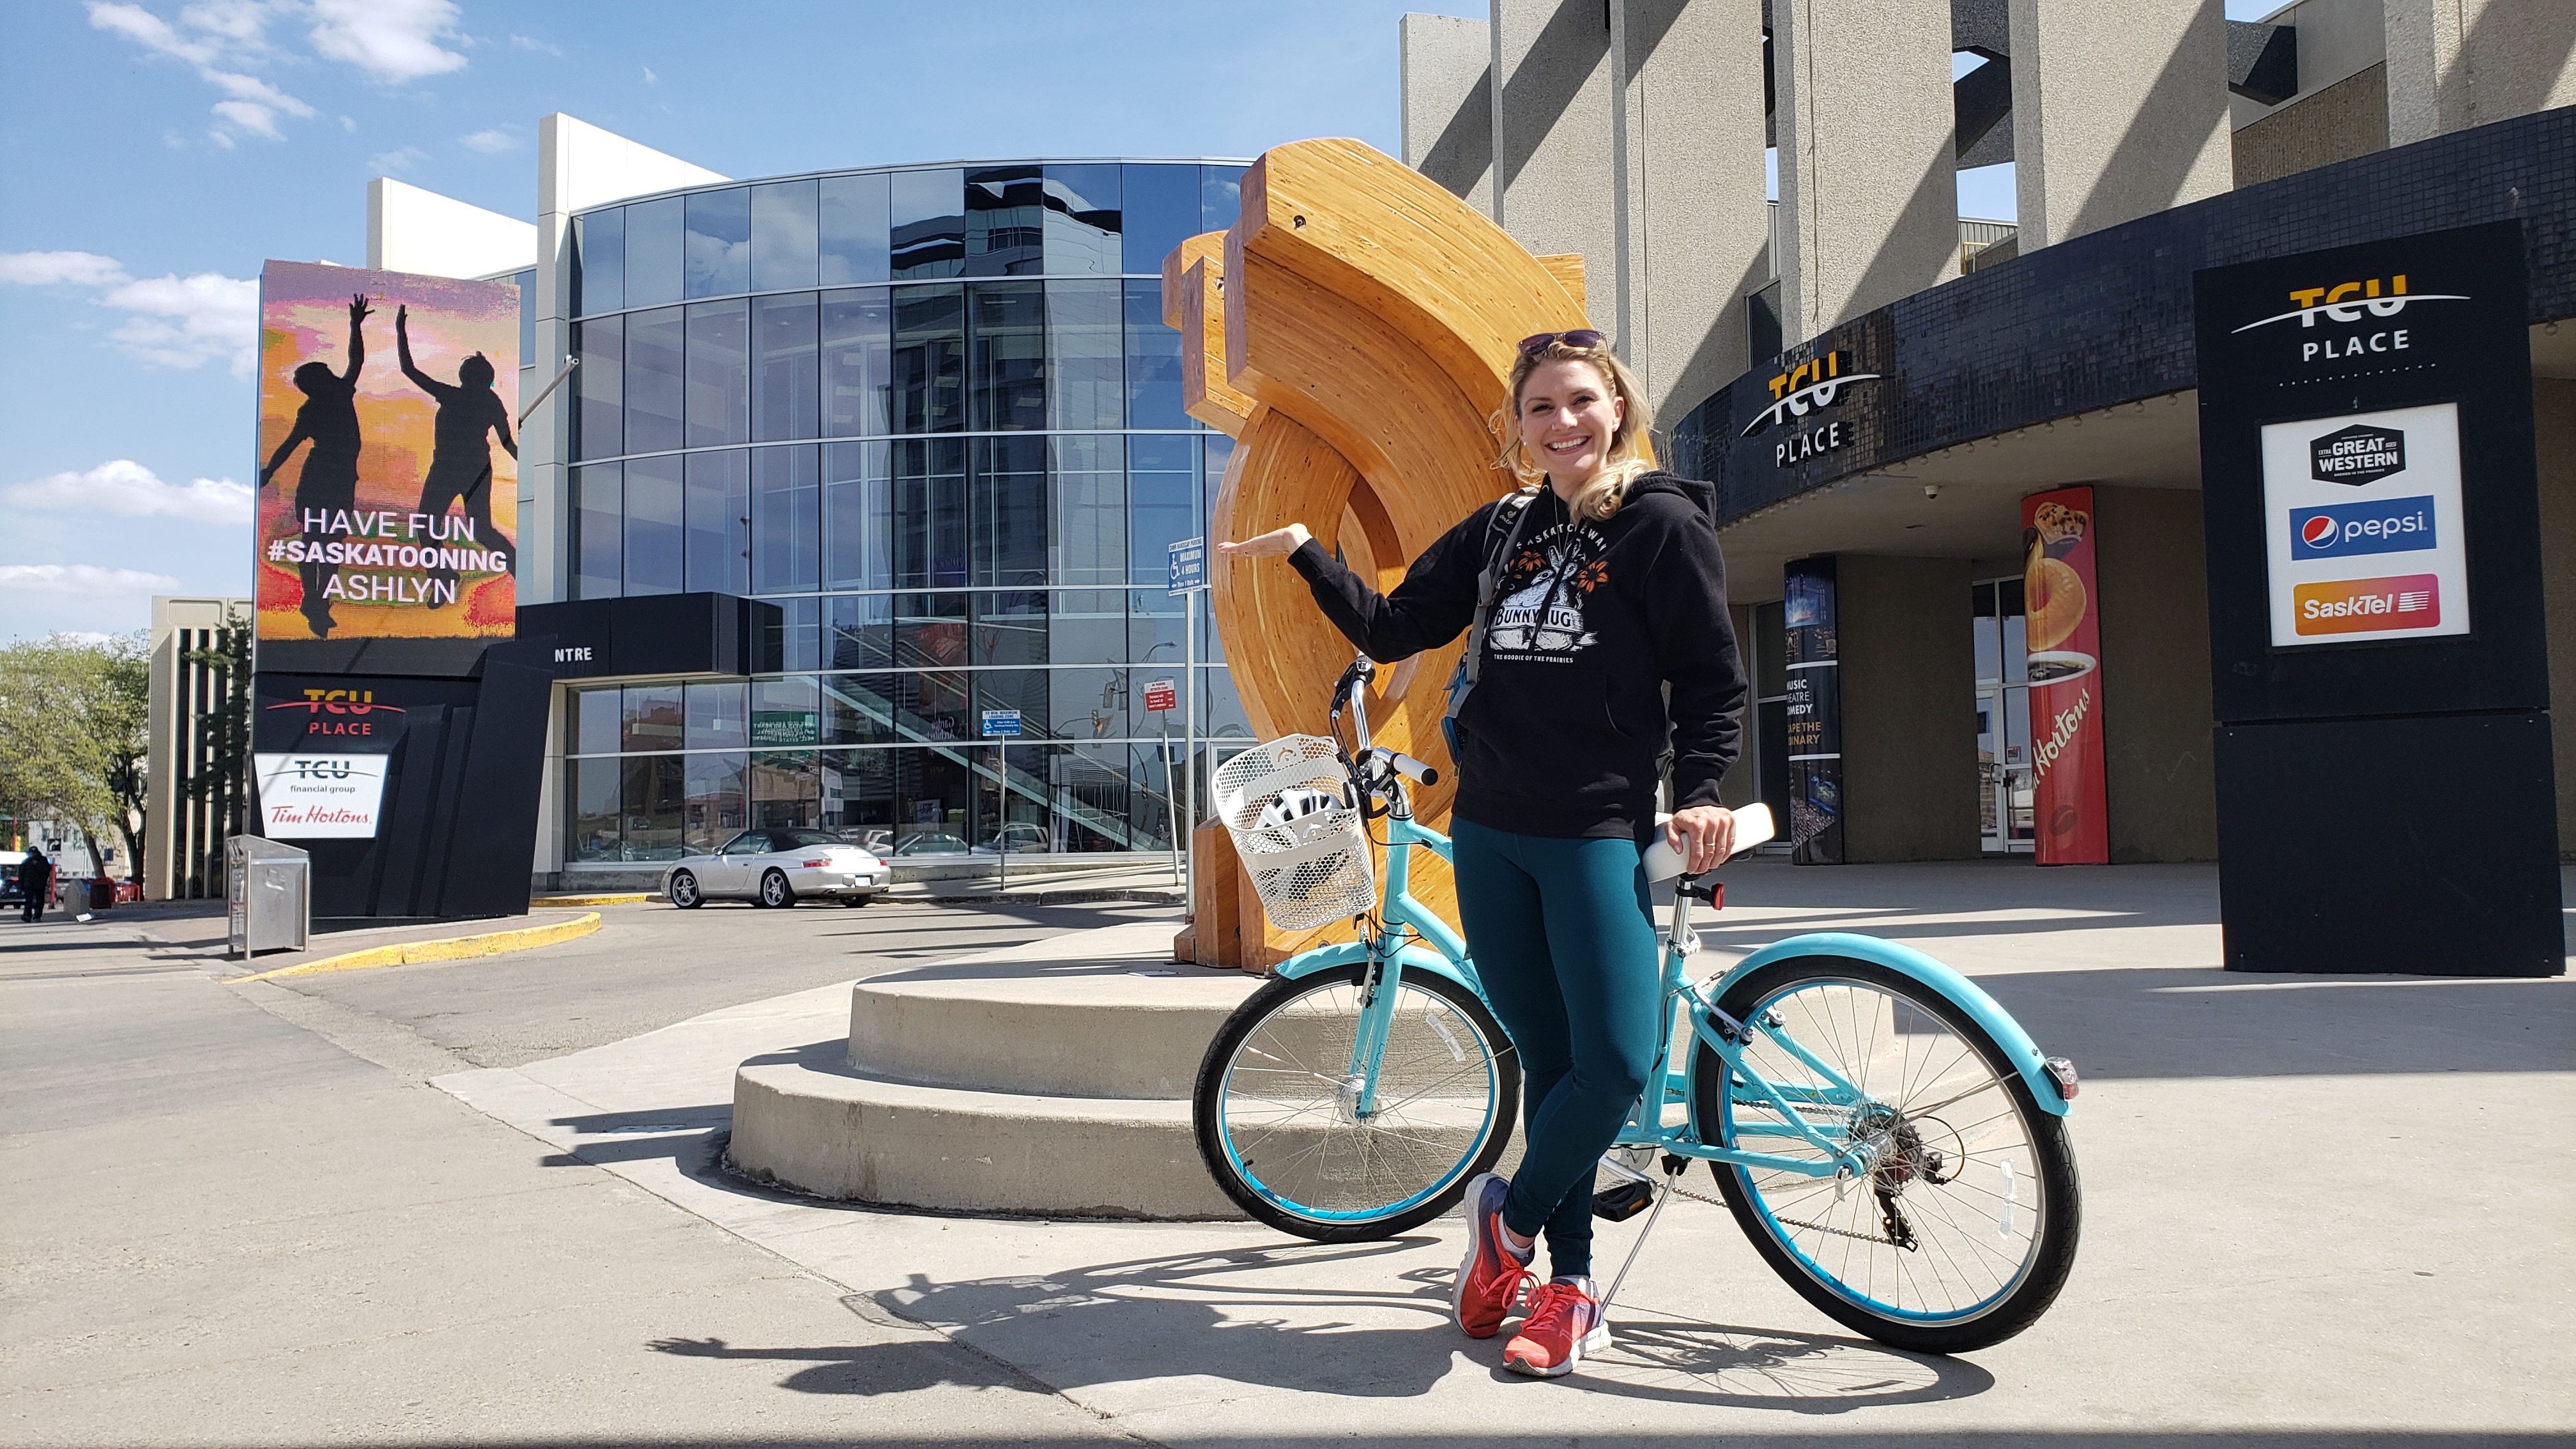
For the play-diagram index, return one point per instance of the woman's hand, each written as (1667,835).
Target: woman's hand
(1704,834)
(1278,541)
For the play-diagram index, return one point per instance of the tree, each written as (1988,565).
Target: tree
(75,734)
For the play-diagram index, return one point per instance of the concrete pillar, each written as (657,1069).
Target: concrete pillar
(2152,574)
(2553,416)
(1693,213)
(1554,174)
(1909,729)
(1448,104)
(2453,64)
(2119,111)
(1869,194)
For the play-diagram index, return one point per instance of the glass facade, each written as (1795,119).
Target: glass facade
(935,417)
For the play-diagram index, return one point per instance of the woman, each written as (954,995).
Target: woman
(1610,590)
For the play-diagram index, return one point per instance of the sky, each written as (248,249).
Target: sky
(154,152)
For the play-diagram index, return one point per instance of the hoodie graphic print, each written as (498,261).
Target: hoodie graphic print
(1539,616)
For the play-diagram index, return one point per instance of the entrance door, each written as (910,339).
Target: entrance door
(2004,778)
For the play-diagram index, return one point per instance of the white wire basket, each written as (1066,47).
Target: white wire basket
(1297,832)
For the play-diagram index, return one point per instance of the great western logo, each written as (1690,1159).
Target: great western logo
(1809,387)
(2357,455)
(2358,606)
(2382,525)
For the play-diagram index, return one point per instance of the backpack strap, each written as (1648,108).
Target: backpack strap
(1489,583)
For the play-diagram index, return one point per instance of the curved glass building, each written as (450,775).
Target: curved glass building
(928,419)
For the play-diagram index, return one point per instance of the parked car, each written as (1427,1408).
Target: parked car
(1023,836)
(778,867)
(931,844)
(874,839)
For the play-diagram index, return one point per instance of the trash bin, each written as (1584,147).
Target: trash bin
(267,895)
(102,892)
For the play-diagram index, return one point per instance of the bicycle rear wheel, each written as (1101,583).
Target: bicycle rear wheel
(1275,1107)
(1963,1232)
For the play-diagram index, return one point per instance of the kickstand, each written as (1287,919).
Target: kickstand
(1673,1168)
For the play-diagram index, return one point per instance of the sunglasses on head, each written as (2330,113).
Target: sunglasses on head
(1579,337)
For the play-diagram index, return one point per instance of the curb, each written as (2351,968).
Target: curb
(623,898)
(454,948)
(1046,898)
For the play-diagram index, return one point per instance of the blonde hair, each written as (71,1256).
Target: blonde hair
(1631,454)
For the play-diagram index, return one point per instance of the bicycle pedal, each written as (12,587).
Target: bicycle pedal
(1624,1201)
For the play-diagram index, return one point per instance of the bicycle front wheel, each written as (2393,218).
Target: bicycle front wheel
(1962,1231)
(1278,1115)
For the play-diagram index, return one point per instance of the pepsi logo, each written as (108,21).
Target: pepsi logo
(2319,531)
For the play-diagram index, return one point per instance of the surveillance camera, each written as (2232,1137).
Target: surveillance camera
(1931,490)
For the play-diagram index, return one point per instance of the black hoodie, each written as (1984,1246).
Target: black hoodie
(1562,732)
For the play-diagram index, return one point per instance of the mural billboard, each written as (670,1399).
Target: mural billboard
(388,456)
(2064,627)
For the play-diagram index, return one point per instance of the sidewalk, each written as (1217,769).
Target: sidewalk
(1152,884)
(197,932)
(2307,1201)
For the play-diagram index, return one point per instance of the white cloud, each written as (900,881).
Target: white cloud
(123,486)
(401,160)
(530,42)
(492,142)
(44,269)
(392,40)
(220,138)
(251,116)
(651,79)
(174,321)
(221,37)
(83,579)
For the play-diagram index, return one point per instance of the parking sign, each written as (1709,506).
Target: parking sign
(1189,565)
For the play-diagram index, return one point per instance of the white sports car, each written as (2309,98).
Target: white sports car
(776,867)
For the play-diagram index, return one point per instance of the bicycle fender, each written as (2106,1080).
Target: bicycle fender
(1906,961)
(1415,958)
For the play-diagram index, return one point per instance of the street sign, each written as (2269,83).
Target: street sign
(1001,723)
(1189,565)
(1160,695)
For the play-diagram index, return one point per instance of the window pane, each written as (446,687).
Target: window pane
(1008,498)
(1008,356)
(653,252)
(1220,196)
(1011,628)
(593,720)
(653,384)
(933,791)
(853,225)
(716,716)
(527,284)
(719,515)
(930,512)
(1092,704)
(653,789)
(715,811)
(933,704)
(598,528)
(786,393)
(858,709)
(928,375)
(927,224)
(783,712)
(592,820)
(1088,626)
(855,363)
(1082,220)
(1153,362)
(1154,629)
(1220,708)
(652,719)
(861,632)
(786,789)
(929,631)
(1085,371)
(791,635)
(1162,498)
(653,538)
(1090,481)
(599,262)
(786,519)
(1004,205)
(1022,689)
(858,792)
(719,373)
(719,262)
(1160,209)
(858,523)
(782,235)
(599,388)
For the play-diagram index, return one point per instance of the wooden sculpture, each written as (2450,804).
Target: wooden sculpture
(1353,333)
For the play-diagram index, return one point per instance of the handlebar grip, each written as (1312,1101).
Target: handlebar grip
(1412,769)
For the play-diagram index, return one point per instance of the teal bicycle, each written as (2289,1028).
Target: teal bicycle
(1887,1136)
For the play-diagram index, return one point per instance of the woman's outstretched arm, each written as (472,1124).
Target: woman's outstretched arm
(1432,606)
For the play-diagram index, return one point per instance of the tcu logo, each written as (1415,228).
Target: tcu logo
(1815,383)
(2352,302)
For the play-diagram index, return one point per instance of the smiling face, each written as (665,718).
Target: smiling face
(1569,414)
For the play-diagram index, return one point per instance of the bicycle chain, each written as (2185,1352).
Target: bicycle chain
(1791,1222)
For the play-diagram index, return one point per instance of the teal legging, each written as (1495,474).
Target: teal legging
(1563,937)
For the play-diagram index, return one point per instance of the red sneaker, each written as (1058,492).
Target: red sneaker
(1491,1276)
(1565,1321)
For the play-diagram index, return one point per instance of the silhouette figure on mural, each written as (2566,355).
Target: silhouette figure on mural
(329,482)
(460,465)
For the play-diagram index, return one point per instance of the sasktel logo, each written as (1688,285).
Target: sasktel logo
(2355,606)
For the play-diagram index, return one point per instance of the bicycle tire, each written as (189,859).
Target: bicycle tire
(1810,1230)
(1343,1186)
